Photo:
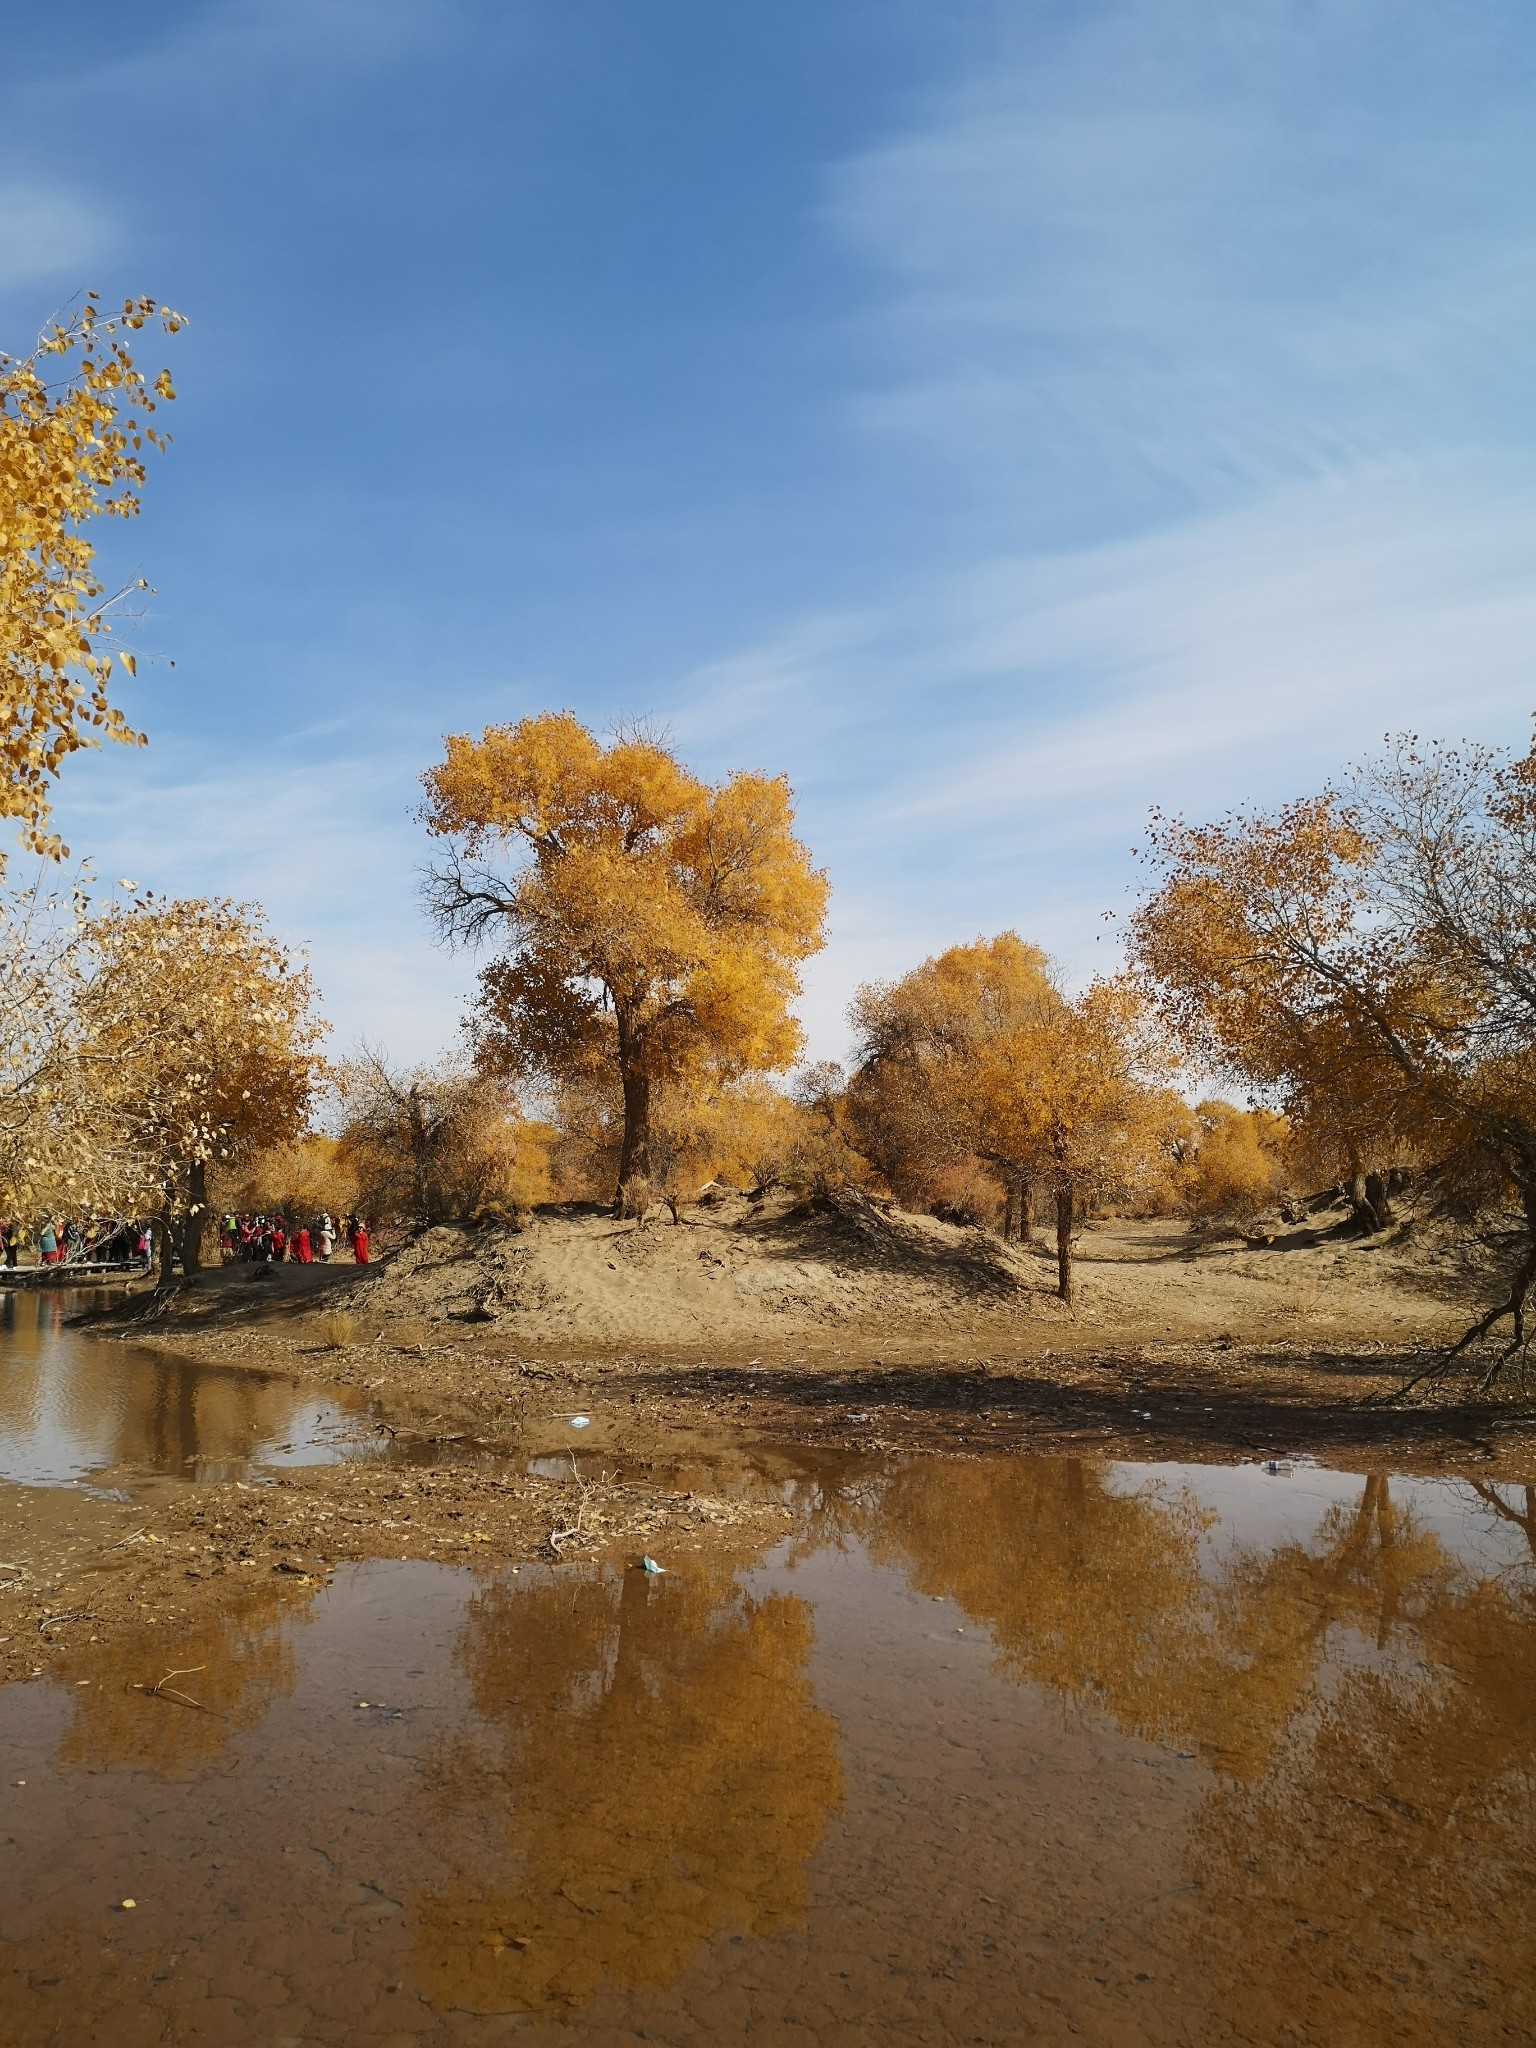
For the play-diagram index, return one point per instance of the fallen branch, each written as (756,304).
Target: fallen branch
(162,1689)
(576,1531)
(58,1620)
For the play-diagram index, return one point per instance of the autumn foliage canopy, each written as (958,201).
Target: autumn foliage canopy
(979,1054)
(1369,956)
(649,926)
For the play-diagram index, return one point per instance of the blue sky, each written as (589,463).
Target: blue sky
(1000,417)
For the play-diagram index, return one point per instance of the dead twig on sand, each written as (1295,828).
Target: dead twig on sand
(58,1620)
(574,1532)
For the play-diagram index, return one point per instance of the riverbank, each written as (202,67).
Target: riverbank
(556,1393)
(856,1324)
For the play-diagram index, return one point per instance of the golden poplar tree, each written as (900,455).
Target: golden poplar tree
(1064,1093)
(651,925)
(1229,1161)
(202,1026)
(978,1052)
(1370,956)
(59,1134)
(1255,946)
(75,423)
(919,1043)
(438,1144)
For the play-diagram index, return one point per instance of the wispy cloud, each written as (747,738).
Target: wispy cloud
(1204,254)
(1001,734)
(1254,645)
(49,233)
(328,848)
(1210,315)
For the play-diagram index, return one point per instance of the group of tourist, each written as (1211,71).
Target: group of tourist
(110,1241)
(82,1241)
(268,1239)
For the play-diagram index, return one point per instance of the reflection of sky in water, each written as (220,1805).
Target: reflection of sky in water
(1260,1509)
(71,1405)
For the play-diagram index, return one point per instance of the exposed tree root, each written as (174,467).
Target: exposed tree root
(1513,1306)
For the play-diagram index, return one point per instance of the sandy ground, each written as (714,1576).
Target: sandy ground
(749,1326)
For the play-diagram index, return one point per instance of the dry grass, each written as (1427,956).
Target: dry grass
(337,1330)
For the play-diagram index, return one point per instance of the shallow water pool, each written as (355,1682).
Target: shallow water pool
(984,1750)
(74,1407)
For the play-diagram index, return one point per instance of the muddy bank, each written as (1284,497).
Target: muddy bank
(86,1575)
(488,1360)
(775,1322)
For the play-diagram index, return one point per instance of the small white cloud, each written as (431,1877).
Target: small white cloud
(46,232)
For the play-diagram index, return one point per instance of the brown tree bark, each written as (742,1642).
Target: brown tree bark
(1026,1212)
(1064,1207)
(197,1217)
(635,1152)
(1008,1213)
(1368,1198)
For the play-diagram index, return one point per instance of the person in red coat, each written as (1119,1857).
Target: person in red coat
(360,1242)
(301,1250)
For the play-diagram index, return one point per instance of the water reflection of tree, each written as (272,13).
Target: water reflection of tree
(1092,1592)
(235,1663)
(1098,1593)
(651,1770)
(1377,1874)
(1367,1703)
(1523,1517)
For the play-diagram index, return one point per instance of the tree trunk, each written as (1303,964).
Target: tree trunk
(166,1224)
(421,1155)
(1008,1213)
(635,1153)
(1026,1212)
(1358,1188)
(1064,1207)
(197,1217)
(1513,1306)
(1074,1516)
